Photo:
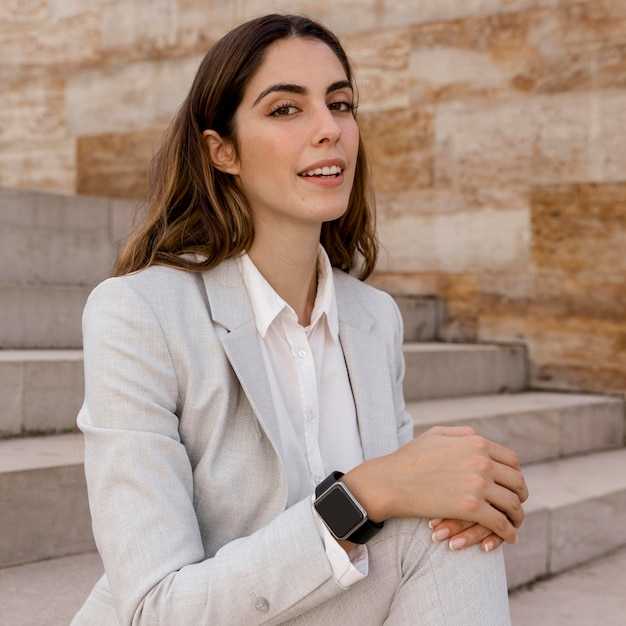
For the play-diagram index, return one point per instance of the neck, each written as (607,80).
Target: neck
(291,270)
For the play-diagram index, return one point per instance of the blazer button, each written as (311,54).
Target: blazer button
(261,605)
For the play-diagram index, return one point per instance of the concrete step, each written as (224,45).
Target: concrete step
(41,391)
(50,592)
(587,595)
(41,316)
(422,317)
(51,238)
(538,425)
(576,512)
(47,593)
(44,512)
(47,315)
(446,370)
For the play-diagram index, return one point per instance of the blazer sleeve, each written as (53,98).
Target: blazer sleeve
(403,420)
(141,492)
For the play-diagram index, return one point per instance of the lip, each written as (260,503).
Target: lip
(324,163)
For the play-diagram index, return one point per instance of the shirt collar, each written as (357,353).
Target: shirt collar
(267,304)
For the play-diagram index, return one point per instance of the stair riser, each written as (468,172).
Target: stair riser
(40,396)
(48,238)
(49,316)
(44,514)
(422,317)
(452,373)
(41,316)
(543,435)
(552,541)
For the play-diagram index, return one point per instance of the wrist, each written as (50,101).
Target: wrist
(363,481)
(342,513)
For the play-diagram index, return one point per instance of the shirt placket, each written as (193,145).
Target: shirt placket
(309,403)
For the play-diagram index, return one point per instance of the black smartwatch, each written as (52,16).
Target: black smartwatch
(341,511)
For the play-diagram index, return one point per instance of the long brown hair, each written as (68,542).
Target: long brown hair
(193,207)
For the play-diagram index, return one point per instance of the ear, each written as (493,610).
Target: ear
(221,152)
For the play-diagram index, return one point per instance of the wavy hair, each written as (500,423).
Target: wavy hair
(192,207)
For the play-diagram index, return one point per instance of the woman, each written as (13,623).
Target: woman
(235,369)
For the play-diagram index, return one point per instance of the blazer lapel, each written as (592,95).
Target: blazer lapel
(365,352)
(367,359)
(230,307)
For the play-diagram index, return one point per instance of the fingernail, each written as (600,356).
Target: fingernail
(430,524)
(489,546)
(441,534)
(457,543)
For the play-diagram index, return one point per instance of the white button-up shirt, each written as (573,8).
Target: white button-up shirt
(312,396)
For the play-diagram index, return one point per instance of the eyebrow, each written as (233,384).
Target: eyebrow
(298,89)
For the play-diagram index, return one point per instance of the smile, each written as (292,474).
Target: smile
(333,170)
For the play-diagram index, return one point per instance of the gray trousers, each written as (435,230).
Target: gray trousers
(415,581)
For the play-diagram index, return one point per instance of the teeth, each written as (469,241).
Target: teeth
(333,170)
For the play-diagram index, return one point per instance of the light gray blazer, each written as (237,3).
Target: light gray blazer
(186,487)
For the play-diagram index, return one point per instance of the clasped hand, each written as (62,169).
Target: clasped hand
(471,488)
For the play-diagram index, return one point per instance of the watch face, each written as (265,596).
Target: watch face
(339,511)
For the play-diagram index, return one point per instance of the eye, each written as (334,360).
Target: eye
(342,106)
(283,109)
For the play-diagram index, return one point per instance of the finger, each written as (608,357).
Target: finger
(469,537)
(433,523)
(502,454)
(512,479)
(493,518)
(452,431)
(449,527)
(507,502)
(492,542)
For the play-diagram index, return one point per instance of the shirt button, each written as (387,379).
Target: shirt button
(311,416)
(318,480)
(261,605)
(301,353)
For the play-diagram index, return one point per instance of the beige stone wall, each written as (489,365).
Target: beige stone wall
(497,130)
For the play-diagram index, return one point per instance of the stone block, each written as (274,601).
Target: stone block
(537,48)
(553,293)
(54,390)
(573,223)
(11,396)
(419,236)
(115,165)
(38,47)
(202,23)
(57,239)
(381,61)
(528,560)
(32,111)
(143,26)
(41,391)
(400,143)
(437,370)
(48,592)
(41,316)
(421,317)
(123,216)
(535,140)
(43,475)
(147,93)
(44,166)
(538,426)
(587,499)
(16,12)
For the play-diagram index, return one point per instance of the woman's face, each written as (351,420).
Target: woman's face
(297,137)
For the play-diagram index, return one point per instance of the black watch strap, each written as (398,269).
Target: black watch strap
(366,531)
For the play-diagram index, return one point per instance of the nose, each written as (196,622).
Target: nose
(327,128)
